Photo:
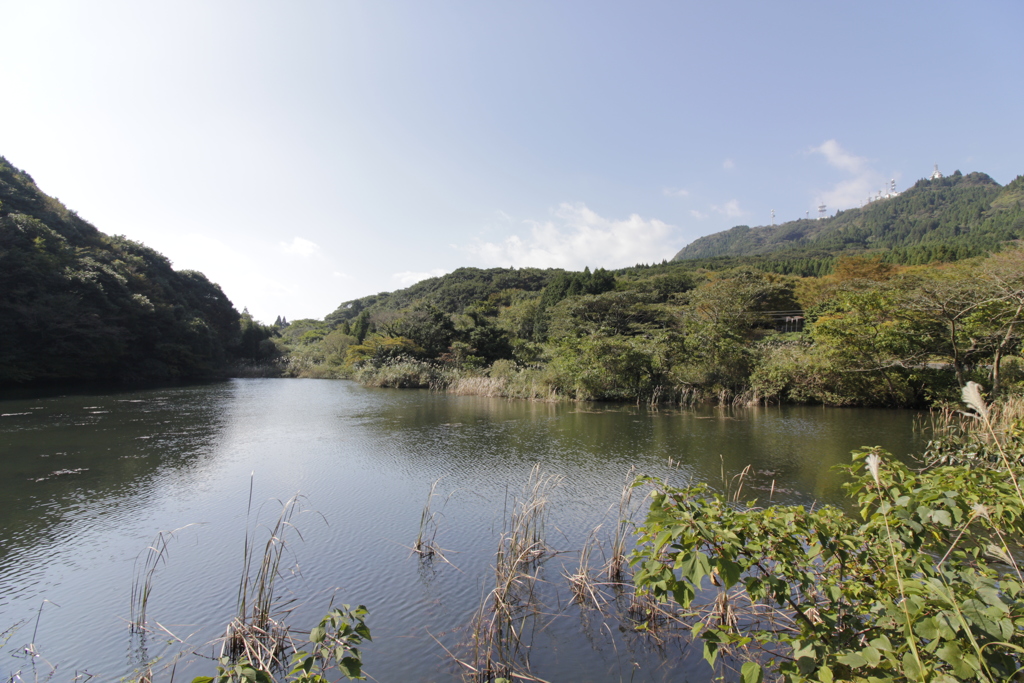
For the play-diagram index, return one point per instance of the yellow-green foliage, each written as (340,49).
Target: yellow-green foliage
(378,349)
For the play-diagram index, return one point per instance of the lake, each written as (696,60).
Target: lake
(89,479)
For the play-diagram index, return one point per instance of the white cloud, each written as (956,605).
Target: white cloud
(854,190)
(300,246)
(731,209)
(675,192)
(578,237)
(409,277)
(840,158)
(698,214)
(343,276)
(728,164)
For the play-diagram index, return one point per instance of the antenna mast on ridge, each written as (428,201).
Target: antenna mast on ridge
(821,211)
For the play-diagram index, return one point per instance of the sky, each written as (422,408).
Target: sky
(307,153)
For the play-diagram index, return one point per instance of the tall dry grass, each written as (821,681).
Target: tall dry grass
(498,647)
(623,528)
(258,633)
(152,557)
(993,436)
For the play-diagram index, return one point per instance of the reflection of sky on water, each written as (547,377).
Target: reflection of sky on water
(138,463)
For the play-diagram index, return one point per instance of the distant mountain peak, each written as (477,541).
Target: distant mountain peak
(968,214)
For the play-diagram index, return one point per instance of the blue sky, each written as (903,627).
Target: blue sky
(303,154)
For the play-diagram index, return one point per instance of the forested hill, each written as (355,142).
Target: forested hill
(76,304)
(946,219)
(450,293)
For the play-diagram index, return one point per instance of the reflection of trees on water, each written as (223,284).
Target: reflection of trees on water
(367,458)
(791,450)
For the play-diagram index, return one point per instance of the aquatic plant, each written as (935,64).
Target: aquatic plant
(153,556)
(617,561)
(331,645)
(258,633)
(426,539)
(497,648)
(582,584)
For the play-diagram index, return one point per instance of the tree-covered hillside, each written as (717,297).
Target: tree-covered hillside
(946,219)
(896,303)
(76,304)
(450,293)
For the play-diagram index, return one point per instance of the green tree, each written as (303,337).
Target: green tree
(922,587)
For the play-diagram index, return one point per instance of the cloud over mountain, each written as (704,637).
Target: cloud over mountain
(576,237)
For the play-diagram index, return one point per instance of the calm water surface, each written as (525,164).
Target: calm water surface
(88,480)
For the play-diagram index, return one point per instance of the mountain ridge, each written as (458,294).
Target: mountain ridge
(949,218)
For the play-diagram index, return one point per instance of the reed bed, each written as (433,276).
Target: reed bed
(499,632)
(405,373)
(478,385)
(258,633)
(990,437)
(524,384)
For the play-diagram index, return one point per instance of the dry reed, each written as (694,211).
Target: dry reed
(615,568)
(497,647)
(258,633)
(582,585)
(142,579)
(426,540)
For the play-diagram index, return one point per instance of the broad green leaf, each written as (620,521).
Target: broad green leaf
(751,673)
(964,666)
(730,572)
(695,567)
(941,517)
(854,660)
(911,666)
(882,643)
(927,628)
(683,593)
(710,652)
(351,667)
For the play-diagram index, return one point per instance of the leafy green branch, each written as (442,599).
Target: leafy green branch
(923,587)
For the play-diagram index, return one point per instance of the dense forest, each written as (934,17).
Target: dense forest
(894,304)
(77,305)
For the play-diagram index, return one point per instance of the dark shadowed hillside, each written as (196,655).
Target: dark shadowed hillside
(76,304)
